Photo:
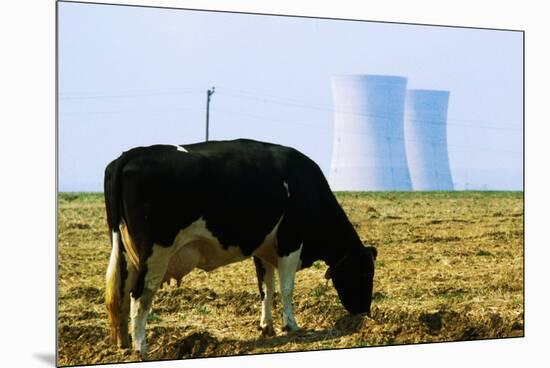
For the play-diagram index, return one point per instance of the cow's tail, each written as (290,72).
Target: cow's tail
(114,278)
(113,297)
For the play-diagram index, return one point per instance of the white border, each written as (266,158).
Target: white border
(28,180)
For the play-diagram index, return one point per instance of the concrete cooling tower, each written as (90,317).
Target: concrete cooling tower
(368,148)
(426,139)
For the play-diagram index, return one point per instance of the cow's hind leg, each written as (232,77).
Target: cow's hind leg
(287,266)
(129,282)
(266,276)
(149,280)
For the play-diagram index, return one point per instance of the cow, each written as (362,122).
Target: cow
(173,208)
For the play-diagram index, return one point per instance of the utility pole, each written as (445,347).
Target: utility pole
(209,93)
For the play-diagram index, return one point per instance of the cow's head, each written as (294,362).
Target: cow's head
(353,278)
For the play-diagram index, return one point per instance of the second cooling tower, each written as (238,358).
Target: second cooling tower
(369,146)
(426,139)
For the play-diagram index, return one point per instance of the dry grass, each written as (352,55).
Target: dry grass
(450,267)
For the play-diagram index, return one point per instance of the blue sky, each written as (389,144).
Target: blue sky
(138,76)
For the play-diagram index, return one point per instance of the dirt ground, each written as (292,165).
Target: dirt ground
(449,267)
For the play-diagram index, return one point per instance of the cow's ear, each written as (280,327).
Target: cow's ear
(372,251)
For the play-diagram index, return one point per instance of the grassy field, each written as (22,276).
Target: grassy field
(449,267)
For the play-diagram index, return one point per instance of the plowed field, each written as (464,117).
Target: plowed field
(449,267)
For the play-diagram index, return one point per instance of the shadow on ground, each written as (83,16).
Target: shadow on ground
(202,344)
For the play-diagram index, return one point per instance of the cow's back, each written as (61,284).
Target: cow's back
(240,188)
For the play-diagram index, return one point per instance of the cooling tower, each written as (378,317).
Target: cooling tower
(368,147)
(426,139)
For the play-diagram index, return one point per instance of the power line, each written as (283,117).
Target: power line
(285,101)
(267,99)
(383,136)
(130,111)
(105,95)
(330,108)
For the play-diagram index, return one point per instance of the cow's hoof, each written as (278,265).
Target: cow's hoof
(124,343)
(290,329)
(140,355)
(134,355)
(267,331)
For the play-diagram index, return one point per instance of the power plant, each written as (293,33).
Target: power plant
(388,138)
(368,143)
(426,139)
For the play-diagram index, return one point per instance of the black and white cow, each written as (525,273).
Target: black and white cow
(171,209)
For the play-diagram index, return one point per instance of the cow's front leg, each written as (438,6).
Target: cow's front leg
(142,296)
(287,267)
(266,277)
